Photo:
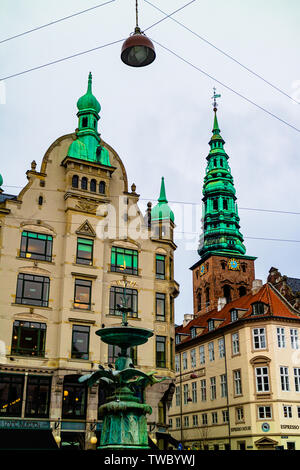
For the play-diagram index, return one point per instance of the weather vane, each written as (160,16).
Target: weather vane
(214,97)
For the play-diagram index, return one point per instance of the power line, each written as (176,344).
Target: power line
(169,15)
(226,54)
(170,201)
(225,86)
(55,21)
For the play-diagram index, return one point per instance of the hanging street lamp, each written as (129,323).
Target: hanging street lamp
(138,49)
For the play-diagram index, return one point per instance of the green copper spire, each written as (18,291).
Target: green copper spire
(221,233)
(88,146)
(162,211)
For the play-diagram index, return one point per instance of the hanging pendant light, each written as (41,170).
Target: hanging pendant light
(137,50)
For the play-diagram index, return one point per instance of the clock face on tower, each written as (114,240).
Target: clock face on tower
(202,270)
(234,264)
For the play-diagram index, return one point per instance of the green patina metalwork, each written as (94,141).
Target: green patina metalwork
(87,145)
(220,212)
(162,211)
(124,413)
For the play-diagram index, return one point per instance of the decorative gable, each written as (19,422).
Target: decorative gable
(86,229)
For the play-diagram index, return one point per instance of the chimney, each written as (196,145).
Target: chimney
(221,303)
(187,318)
(256,285)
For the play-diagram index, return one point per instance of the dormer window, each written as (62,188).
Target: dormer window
(211,325)
(258,308)
(234,315)
(193,332)
(177,339)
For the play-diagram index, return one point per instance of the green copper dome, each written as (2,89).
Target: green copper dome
(1,180)
(88,101)
(220,212)
(162,211)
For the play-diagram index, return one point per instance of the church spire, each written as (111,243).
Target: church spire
(221,233)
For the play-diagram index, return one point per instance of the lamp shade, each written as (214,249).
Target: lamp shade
(138,50)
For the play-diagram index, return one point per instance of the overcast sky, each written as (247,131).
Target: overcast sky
(159,118)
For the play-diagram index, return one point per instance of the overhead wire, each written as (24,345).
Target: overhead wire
(55,21)
(225,53)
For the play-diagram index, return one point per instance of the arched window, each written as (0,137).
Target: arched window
(84,183)
(102,187)
(75,181)
(93,185)
(227,293)
(242,291)
(223,264)
(40,200)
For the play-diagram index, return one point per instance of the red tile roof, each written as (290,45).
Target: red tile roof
(277,306)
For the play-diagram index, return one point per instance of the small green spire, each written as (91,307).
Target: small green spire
(88,101)
(162,211)
(216,129)
(162,195)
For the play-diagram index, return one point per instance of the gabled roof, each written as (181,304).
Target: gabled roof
(277,306)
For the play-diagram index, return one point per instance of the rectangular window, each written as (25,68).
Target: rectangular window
(234,315)
(213,388)
(32,290)
(221,348)
(204,419)
(82,294)
(193,358)
(124,260)
(84,254)
(235,343)
(160,306)
(259,338)
(214,417)
(211,325)
(177,422)
(225,416)
(38,396)
(294,338)
(171,308)
(36,246)
(211,351)
(284,379)
(281,337)
(184,360)
(240,413)
(171,268)
(264,412)
(113,354)
(262,379)
(11,394)
(177,396)
(160,268)
(297,378)
(170,423)
(185,394)
(171,353)
(177,363)
(186,421)
(195,420)
(287,411)
(203,389)
(116,296)
(194,392)
(28,338)
(223,386)
(202,354)
(161,351)
(237,382)
(80,342)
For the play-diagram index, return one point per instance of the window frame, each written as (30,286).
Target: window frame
(37,400)
(83,283)
(114,291)
(284,378)
(259,338)
(160,300)
(47,240)
(160,266)
(262,381)
(132,267)
(44,283)
(88,242)
(161,363)
(84,330)
(17,350)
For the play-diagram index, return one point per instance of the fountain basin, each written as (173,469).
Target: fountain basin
(124,336)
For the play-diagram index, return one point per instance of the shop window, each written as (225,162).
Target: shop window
(32,290)
(36,246)
(80,342)
(84,253)
(28,338)
(11,394)
(82,294)
(74,398)
(38,396)
(124,260)
(116,299)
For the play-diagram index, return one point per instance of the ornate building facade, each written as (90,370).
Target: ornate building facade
(68,243)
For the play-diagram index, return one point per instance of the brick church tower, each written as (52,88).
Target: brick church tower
(224,271)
